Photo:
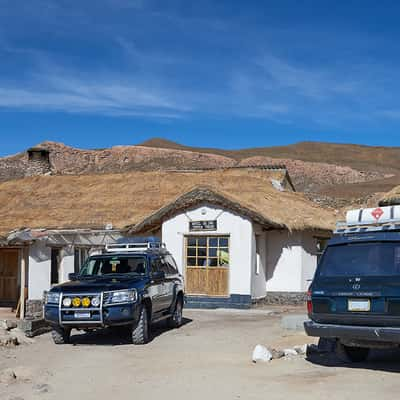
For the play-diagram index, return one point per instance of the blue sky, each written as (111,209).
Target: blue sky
(229,74)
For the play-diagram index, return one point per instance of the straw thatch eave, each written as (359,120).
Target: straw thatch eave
(195,197)
(392,198)
(129,199)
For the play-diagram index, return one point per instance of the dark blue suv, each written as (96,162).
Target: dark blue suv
(134,284)
(354,299)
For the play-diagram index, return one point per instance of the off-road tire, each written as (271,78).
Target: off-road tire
(61,335)
(351,354)
(175,321)
(140,333)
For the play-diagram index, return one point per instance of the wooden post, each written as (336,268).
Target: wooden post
(22,283)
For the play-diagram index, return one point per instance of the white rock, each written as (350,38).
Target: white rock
(261,354)
(8,324)
(290,352)
(11,324)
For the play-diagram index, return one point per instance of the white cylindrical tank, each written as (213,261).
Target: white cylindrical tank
(378,215)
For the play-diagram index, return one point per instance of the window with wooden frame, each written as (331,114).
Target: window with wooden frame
(207,251)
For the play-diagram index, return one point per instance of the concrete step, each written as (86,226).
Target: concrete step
(294,322)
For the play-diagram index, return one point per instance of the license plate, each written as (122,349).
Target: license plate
(82,315)
(359,305)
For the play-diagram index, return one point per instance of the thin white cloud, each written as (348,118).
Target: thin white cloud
(315,83)
(172,82)
(108,96)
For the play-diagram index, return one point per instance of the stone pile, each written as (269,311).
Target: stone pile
(264,354)
(11,335)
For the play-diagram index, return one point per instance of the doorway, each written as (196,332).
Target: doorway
(55,266)
(9,276)
(207,265)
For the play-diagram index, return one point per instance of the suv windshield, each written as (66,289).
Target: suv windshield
(361,259)
(114,265)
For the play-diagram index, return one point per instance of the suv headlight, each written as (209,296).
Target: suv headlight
(121,296)
(51,298)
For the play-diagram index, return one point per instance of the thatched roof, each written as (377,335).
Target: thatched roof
(196,196)
(392,198)
(92,201)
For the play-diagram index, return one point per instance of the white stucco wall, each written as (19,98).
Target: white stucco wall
(238,228)
(67,263)
(291,261)
(284,261)
(39,270)
(309,259)
(258,273)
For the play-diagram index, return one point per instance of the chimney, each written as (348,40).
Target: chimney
(38,162)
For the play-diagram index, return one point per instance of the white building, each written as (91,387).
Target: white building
(238,235)
(43,258)
(231,255)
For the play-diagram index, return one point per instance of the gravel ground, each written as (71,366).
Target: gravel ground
(208,358)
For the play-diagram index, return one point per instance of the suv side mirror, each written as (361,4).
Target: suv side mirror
(73,277)
(158,275)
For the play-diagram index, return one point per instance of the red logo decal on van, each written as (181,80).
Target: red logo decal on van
(377,213)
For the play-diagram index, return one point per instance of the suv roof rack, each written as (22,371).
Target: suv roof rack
(343,228)
(134,246)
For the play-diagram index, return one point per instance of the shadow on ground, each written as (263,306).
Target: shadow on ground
(117,336)
(387,360)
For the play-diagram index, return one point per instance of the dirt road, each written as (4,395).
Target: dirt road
(208,358)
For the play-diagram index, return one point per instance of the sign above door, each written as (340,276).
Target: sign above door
(195,226)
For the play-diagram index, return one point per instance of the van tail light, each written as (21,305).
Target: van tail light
(309,303)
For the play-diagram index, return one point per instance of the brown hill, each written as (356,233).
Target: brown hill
(332,174)
(66,160)
(353,155)
(346,171)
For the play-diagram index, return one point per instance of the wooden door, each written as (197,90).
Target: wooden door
(8,275)
(207,265)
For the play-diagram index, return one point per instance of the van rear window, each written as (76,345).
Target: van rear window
(361,259)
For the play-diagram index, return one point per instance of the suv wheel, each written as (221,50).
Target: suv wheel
(175,321)
(351,354)
(61,335)
(140,333)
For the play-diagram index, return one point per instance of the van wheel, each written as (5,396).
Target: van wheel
(61,335)
(175,321)
(140,333)
(351,354)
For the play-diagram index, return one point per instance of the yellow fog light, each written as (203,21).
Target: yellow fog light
(76,302)
(86,302)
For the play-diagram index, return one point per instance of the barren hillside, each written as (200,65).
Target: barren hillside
(359,157)
(67,160)
(331,174)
